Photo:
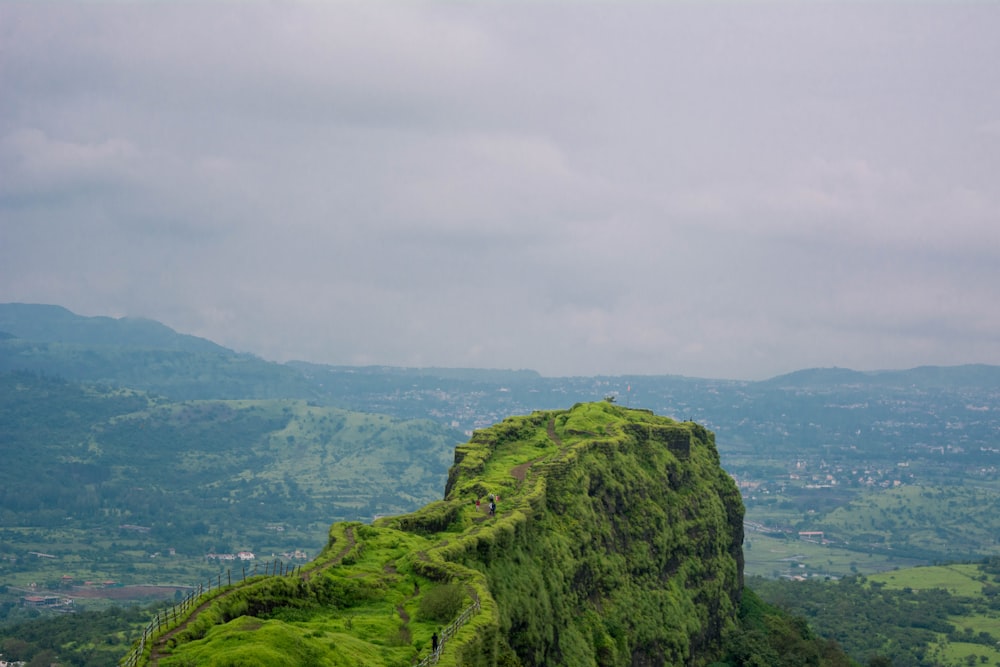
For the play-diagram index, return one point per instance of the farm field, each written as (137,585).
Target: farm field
(965,579)
(962,580)
(774,557)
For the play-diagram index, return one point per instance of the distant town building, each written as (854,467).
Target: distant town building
(243,555)
(45,601)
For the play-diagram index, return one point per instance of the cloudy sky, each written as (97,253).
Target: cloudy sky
(707,189)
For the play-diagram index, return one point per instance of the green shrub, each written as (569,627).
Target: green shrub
(441,603)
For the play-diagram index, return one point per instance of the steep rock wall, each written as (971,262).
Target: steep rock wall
(633,553)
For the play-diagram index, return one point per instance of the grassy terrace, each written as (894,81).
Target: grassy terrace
(378,593)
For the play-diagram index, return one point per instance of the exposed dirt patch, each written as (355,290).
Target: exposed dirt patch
(402,613)
(520,471)
(550,430)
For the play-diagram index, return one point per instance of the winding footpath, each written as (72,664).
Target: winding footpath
(159,651)
(519,472)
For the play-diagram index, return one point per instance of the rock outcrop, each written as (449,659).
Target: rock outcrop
(616,540)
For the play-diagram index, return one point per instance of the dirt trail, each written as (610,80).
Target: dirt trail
(550,430)
(402,614)
(157,651)
(520,471)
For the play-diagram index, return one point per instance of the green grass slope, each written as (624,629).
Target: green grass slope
(616,541)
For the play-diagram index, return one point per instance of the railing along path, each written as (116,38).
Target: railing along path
(168,618)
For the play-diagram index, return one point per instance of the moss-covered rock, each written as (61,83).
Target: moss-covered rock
(616,540)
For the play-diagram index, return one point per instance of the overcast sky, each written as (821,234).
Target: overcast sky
(707,189)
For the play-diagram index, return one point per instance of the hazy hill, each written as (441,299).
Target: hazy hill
(140,354)
(980,376)
(394,373)
(55,324)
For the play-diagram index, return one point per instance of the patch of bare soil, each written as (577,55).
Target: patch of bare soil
(402,614)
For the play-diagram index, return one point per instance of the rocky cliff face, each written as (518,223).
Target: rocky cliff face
(616,540)
(632,553)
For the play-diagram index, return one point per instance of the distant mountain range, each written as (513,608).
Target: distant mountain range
(138,353)
(149,356)
(969,375)
(55,324)
(41,323)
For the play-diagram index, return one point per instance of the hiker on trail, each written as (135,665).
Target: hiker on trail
(434,643)
(477,503)
(493,508)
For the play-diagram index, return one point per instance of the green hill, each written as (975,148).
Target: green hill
(616,541)
(55,324)
(104,479)
(139,354)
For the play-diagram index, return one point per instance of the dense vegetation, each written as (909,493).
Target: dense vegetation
(770,637)
(84,639)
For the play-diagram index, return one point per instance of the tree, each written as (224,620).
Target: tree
(16,649)
(43,658)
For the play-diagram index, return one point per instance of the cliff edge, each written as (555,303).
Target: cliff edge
(598,535)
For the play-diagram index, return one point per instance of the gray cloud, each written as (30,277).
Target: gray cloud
(719,190)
